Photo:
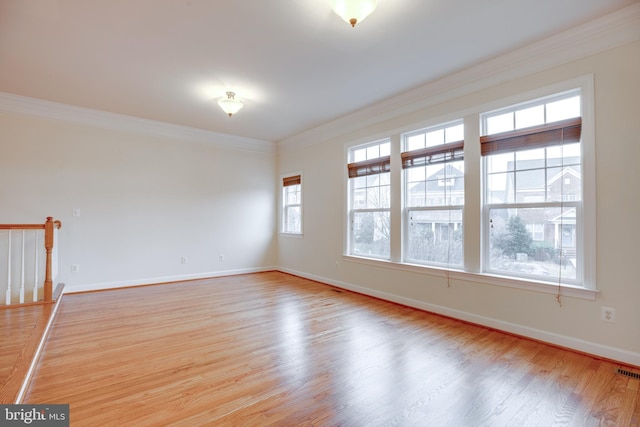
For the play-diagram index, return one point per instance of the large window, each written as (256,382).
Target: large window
(533,189)
(433,163)
(504,195)
(369,201)
(292,204)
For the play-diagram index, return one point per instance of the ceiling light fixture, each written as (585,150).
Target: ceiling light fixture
(354,11)
(230,104)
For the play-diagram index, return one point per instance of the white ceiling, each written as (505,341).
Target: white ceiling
(294,64)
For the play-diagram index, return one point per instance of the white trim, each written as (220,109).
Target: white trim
(11,103)
(291,235)
(86,287)
(612,353)
(604,33)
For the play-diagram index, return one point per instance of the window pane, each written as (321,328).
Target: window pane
(373,152)
(292,222)
(292,194)
(530,159)
(454,133)
(563,109)
(530,186)
(501,123)
(415,174)
(416,195)
(530,117)
(385,199)
(434,170)
(359,198)
(385,149)
(564,155)
(435,236)
(370,234)
(359,155)
(415,142)
(500,162)
(359,182)
(564,184)
(435,137)
(513,249)
(500,188)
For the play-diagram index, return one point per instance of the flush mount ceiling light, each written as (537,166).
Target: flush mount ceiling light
(230,104)
(354,11)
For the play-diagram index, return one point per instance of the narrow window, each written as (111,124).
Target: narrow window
(292,204)
(433,163)
(369,200)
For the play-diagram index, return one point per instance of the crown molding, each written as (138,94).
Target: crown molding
(10,103)
(601,34)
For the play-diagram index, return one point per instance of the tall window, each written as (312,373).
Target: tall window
(369,200)
(292,204)
(533,189)
(433,163)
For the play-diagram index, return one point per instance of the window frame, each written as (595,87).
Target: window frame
(585,208)
(474,227)
(421,157)
(285,206)
(363,169)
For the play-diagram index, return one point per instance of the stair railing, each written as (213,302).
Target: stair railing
(30,273)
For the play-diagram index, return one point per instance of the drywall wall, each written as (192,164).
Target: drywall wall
(576,323)
(145,201)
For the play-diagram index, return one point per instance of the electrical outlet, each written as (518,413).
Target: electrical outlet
(608,314)
(221,257)
(75,268)
(183,260)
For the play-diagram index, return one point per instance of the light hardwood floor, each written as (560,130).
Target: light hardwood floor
(21,330)
(275,349)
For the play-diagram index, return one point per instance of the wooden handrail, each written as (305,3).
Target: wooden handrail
(56,223)
(49,226)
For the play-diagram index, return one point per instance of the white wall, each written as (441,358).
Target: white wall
(145,200)
(576,324)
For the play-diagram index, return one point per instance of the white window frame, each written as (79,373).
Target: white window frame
(585,215)
(474,227)
(286,206)
(455,210)
(352,211)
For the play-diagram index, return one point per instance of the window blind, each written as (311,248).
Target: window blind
(565,131)
(433,155)
(369,167)
(291,180)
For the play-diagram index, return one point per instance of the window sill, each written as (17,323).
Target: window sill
(292,235)
(481,278)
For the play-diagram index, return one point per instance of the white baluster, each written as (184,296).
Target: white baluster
(35,272)
(8,294)
(22,271)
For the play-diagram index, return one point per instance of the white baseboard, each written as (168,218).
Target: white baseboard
(607,352)
(87,287)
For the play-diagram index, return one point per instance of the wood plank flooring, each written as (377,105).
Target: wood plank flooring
(275,349)
(21,330)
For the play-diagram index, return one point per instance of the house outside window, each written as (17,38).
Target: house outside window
(292,204)
(433,163)
(369,200)
(533,189)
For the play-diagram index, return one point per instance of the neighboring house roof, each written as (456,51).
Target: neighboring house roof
(433,183)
